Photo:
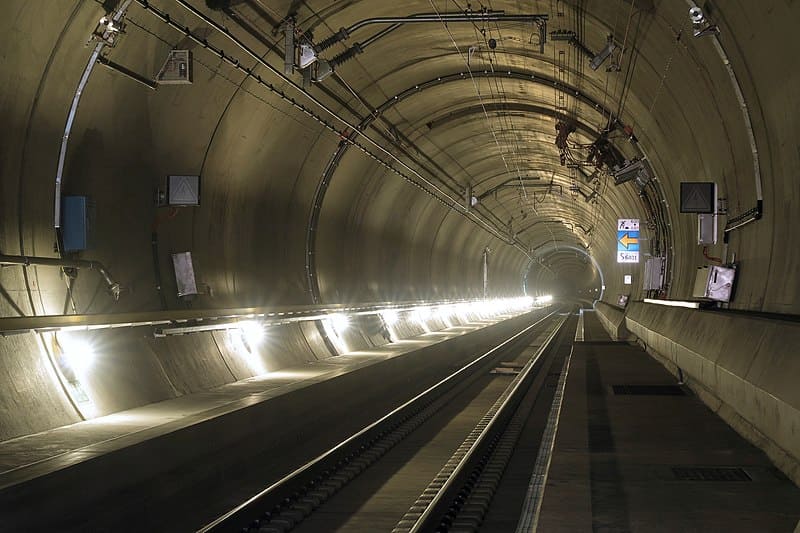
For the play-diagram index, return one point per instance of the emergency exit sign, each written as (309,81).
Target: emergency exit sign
(628,240)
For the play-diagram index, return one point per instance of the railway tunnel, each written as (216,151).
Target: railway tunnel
(239,237)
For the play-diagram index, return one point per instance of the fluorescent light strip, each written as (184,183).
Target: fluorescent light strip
(224,321)
(673,303)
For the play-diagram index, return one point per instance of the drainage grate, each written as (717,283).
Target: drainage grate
(716,473)
(649,390)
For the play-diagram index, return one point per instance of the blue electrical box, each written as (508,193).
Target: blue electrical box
(75,223)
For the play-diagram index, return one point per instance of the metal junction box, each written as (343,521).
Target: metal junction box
(77,216)
(714,283)
(707,229)
(653,274)
(184,274)
(177,70)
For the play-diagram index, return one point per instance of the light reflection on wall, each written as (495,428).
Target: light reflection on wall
(253,334)
(335,326)
(75,356)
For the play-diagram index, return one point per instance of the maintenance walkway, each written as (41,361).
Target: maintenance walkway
(636,451)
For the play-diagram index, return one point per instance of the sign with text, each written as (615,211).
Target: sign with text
(628,240)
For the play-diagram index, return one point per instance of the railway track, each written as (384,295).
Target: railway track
(433,463)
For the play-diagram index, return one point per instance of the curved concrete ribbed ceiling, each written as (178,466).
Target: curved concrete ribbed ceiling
(292,212)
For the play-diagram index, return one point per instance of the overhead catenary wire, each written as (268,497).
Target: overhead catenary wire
(477,90)
(447,201)
(507,124)
(611,116)
(486,115)
(538,201)
(216,71)
(622,50)
(392,130)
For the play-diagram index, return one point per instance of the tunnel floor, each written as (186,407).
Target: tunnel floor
(32,456)
(636,452)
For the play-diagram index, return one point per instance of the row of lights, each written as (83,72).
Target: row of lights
(78,354)
(481,308)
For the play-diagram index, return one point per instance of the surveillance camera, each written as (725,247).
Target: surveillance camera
(696,14)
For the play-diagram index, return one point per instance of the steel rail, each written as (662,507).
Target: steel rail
(485,427)
(532,506)
(239,509)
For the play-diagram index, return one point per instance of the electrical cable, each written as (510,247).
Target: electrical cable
(709,257)
(452,204)
(477,90)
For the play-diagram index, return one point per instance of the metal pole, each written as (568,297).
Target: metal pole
(486,273)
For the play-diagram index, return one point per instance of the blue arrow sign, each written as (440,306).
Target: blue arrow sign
(627,241)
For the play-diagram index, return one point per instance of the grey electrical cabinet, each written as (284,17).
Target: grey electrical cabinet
(714,283)
(184,274)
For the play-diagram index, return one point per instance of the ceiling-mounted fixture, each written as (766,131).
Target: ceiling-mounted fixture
(108,30)
(601,153)
(700,24)
(601,56)
(470,200)
(177,69)
(316,69)
(636,169)
(595,60)
(604,154)
(588,197)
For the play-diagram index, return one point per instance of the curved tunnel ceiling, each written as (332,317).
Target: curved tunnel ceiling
(298,206)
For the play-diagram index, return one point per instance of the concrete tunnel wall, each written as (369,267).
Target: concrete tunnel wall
(379,238)
(747,375)
(376,242)
(132,368)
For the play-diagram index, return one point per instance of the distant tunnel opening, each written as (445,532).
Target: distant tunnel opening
(566,279)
